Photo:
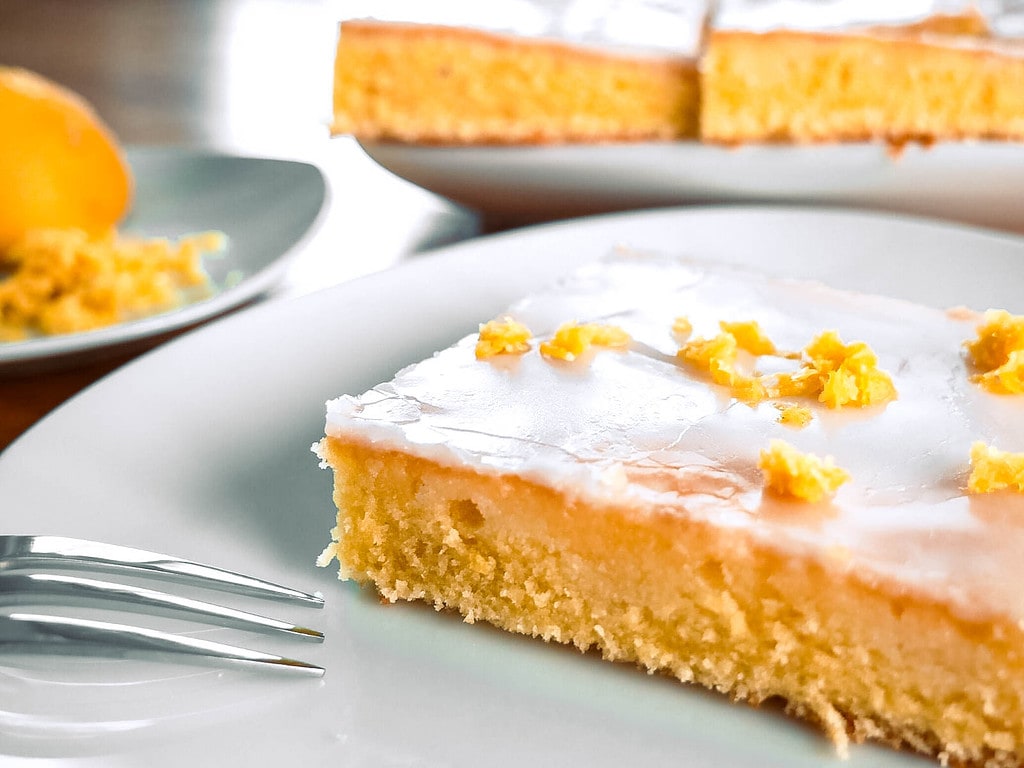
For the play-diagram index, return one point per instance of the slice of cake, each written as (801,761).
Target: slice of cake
(807,71)
(577,75)
(757,485)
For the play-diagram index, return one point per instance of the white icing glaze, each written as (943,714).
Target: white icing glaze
(659,26)
(829,15)
(638,415)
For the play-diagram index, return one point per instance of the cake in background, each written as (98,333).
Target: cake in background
(742,71)
(859,70)
(514,72)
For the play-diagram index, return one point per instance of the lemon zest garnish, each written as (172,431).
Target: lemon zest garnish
(848,373)
(749,337)
(1008,378)
(791,474)
(682,328)
(573,339)
(801,383)
(792,415)
(834,373)
(837,374)
(998,352)
(995,470)
(749,389)
(999,334)
(503,336)
(715,356)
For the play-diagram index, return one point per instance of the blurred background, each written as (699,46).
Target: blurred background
(251,75)
(245,77)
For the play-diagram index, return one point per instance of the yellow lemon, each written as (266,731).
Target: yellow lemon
(60,165)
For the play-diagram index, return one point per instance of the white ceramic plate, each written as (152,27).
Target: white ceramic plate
(977,183)
(266,207)
(201,448)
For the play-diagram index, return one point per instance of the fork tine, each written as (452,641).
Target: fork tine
(27,632)
(55,589)
(27,553)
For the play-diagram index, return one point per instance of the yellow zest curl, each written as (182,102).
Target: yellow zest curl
(573,339)
(788,473)
(504,336)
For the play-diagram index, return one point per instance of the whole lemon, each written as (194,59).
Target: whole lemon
(60,165)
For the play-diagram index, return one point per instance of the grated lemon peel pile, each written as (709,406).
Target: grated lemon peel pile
(55,281)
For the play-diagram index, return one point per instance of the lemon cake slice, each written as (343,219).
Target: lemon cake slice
(547,73)
(762,486)
(807,71)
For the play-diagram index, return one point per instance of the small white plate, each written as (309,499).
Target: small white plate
(266,207)
(201,448)
(980,183)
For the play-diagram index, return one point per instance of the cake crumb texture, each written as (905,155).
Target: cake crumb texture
(794,86)
(794,72)
(450,85)
(678,596)
(616,503)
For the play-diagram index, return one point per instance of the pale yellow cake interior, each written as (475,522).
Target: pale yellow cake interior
(433,84)
(943,76)
(673,594)
(791,86)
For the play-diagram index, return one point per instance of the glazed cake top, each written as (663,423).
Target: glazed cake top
(672,27)
(639,427)
(831,15)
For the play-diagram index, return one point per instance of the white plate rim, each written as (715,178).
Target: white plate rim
(973,182)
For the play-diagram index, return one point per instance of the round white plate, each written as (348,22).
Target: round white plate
(201,449)
(980,183)
(266,207)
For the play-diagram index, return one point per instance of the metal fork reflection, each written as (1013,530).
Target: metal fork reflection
(31,576)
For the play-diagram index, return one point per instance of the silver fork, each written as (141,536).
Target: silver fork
(31,574)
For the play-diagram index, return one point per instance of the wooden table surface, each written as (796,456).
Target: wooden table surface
(248,77)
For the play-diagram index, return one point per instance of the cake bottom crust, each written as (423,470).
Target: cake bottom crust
(675,595)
